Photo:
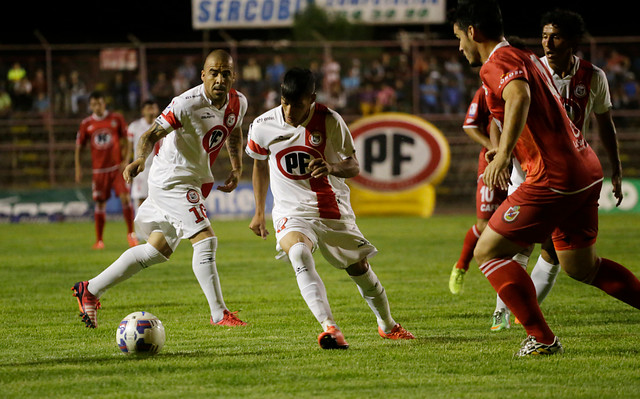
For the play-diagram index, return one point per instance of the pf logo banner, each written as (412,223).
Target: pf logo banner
(399,151)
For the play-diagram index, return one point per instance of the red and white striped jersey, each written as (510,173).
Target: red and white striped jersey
(290,149)
(198,131)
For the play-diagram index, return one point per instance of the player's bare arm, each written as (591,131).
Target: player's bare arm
(234,147)
(517,97)
(607,133)
(126,147)
(476,135)
(348,167)
(260,180)
(145,146)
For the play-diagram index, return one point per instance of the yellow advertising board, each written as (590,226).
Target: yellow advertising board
(402,158)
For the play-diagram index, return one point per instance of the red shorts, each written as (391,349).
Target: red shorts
(532,213)
(487,201)
(102,184)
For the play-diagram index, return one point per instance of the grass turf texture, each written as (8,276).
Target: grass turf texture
(45,350)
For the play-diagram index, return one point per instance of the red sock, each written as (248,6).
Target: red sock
(517,291)
(127,212)
(618,281)
(99,219)
(469,244)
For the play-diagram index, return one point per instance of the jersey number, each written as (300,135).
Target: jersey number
(200,212)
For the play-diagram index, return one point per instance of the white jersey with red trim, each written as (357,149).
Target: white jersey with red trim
(135,130)
(324,134)
(198,131)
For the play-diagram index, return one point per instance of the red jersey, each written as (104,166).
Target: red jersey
(478,114)
(551,150)
(104,135)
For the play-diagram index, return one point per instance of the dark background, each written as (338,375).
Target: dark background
(168,21)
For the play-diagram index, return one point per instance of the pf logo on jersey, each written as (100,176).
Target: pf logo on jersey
(293,162)
(102,139)
(214,138)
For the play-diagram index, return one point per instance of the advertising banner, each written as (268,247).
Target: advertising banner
(264,14)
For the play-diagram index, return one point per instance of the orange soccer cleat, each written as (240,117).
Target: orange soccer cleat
(98,245)
(87,303)
(332,339)
(397,332)
(229,320)
(132,239)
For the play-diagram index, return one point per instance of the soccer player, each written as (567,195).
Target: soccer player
(107,134)
(477,125)
(563,178)
(306,151)
(139,186)
(195,126)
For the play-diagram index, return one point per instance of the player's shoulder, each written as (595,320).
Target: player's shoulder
(270,117)
(87,120)
(190,99)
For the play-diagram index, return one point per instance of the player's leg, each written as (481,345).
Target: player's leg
(100,217)
(584,265)
(376,297)
(205,245)
(501,317)
(545,271)
(495,254)
(460,268)
(133,260)
(298,248)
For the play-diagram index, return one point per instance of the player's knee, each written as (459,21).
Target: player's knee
(301,257)
(359,268)
(151,256)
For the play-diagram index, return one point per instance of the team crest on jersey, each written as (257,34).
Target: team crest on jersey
(580,90)
(193,196)
(231,119)
(511,214)
(315,138)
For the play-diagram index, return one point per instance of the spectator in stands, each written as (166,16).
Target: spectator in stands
(162,90)
(331,72)
(23,97)
(274,73)
(15,74)
(351,86)
(252,77)
(429,96)
(190,72)
(179,83)
(452,95)
(78,92)
(62,96)
(367,99)
(630,91)
(5,101)
(119,92)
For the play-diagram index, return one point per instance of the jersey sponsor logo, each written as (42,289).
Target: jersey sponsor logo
(193,196)
(511,214)
(102,139)
(399,151)
(473,109)
(214,138)
(293,162)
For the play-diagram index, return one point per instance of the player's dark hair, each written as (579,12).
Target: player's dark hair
(298,83)
(96,95)
(569,23)
(483,15)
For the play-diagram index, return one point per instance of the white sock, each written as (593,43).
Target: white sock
(522,260)
(129,263)
(544,277)
(310,284)
(204,267)
(374,294)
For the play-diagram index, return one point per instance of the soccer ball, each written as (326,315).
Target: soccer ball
(140,332)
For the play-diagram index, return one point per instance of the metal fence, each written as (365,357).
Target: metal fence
(37,134)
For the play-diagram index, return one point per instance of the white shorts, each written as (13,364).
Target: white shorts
(340,242)
(140,187)
(517,177)
(178,213)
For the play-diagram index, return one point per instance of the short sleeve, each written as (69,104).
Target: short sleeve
(339,134)
(169,119)
(256,147)
(600,90)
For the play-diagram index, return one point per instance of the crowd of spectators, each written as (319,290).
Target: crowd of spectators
(429,83)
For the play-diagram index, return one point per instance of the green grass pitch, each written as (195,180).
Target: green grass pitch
(46,352)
